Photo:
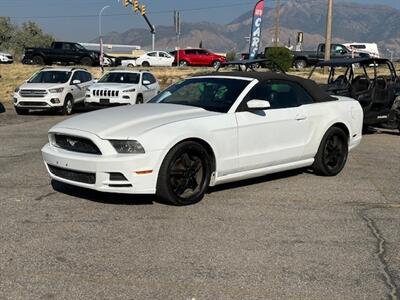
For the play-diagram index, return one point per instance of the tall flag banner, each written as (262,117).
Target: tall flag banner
(101,52)
(255,38)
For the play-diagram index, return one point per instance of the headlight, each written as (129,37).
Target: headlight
(126,146)
(56,91)
(129,91)
(16,90)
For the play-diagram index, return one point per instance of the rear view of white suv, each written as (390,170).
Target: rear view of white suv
(52,89)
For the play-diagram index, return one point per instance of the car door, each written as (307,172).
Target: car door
(204,57)
(150,89)
(78,90)
(273,136)
(166,60)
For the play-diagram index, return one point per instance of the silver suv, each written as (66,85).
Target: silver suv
(53,89)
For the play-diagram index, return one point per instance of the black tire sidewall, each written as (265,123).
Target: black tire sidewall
(87,61)
(64,109)
(38,60)
(302,62)
(319,165)
(164,189)
(139,99)
(145,64)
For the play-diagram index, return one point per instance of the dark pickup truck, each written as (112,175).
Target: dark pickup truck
(303,59)
(61,52)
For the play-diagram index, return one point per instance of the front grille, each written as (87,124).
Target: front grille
(78,176)
(76,144)
(32,104)
(9,57)
(105,93)
(33,93)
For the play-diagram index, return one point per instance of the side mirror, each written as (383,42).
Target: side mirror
(2,108)
(255,104)
(146,82)
(76,81)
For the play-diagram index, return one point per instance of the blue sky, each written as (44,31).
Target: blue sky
(46,13)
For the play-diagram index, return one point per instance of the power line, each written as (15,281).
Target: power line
(129,14)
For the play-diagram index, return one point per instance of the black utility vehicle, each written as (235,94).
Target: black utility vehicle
(303,59)
(371,81)
(62,52)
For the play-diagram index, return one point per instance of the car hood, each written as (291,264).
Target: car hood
(5,54)
(126,122)
(112,86)
(41,86)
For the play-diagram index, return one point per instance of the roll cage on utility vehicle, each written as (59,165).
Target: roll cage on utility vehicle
(371,81)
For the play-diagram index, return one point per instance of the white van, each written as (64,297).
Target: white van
(369,48)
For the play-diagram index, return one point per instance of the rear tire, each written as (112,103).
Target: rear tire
(145,64)
(87,61)
(332,153)
(300,64)
(68,106)
(38,60)
(183,63)
(21,111)
(184,174)
(130,65)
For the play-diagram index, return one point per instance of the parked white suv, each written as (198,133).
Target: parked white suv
(53,89)
(119,87)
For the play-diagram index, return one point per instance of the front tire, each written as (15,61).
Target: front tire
(145,64)
(216,64)
(184,174)
(21,111)
(139,99)
(68,106)
(332,153)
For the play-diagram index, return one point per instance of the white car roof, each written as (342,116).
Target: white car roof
(63,69)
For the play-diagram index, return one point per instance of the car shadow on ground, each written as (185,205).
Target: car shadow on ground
(128,199)
(257,180)
(105,198)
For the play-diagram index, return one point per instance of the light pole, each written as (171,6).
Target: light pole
(100,13)
(328,35)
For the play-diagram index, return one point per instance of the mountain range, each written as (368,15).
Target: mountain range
(353,22)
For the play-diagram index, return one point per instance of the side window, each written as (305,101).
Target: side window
(163,54)
(76,76)
(58,45)
(66,46)
(88,76)
(149,77)
(153,54)
(280,94)
(202,52)
(190,52)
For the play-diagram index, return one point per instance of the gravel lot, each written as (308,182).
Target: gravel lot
(292,235)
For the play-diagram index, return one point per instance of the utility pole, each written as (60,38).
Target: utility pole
(328,36)
(277,21)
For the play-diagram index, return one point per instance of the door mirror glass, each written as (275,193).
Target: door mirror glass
(76,81)
(2,109)
(146,82)
(256,104)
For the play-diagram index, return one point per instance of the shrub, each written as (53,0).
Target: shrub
(231,55)
(280,56)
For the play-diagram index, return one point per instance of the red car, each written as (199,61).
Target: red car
(198,57)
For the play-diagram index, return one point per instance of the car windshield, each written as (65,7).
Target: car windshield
(117,77)
(213,94)
(50,77)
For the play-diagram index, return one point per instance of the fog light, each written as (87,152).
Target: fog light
(55,100)
(15,100)
(126,97)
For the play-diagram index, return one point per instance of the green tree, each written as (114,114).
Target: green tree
(7,30)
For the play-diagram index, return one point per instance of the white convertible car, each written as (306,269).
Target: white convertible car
(205,131)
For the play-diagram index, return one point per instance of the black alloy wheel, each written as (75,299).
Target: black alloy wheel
(185,174)
(332,153)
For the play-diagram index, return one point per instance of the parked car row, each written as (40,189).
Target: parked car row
(61,88)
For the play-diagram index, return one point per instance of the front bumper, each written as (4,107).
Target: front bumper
(101,166)
(46,102)
(105,101)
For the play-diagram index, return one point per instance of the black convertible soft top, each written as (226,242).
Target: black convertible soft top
(309,85)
